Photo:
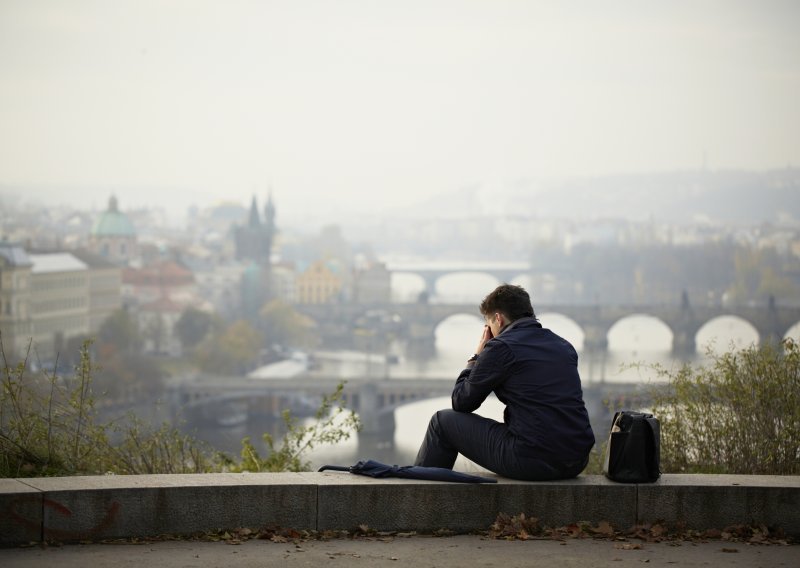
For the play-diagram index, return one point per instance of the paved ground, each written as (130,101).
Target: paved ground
(417,551)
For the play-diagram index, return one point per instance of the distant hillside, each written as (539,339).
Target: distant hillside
(745,197)
(724,196)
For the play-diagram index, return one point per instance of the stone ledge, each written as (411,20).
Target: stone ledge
(78,508)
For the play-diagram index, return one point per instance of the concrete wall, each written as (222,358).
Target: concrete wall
(79,508)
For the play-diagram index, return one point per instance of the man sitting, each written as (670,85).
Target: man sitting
(545,433)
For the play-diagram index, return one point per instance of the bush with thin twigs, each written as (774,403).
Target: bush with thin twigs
(740,414)
(49,427)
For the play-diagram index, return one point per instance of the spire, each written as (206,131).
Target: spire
(269,211)
(253,221)
(113,205)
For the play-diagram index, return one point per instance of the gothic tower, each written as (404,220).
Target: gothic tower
(254,244)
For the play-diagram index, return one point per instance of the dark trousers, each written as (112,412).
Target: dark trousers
(489,444)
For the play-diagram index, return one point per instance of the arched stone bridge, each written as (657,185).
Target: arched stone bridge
(421,319)
(431,272)
(373,399)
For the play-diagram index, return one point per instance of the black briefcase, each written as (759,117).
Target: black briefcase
(633,453)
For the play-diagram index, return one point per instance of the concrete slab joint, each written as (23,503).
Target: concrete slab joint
(80,508)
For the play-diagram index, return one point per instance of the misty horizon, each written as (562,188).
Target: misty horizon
(682,197)
(360,108)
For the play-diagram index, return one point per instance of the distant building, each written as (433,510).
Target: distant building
(283,282)
(254,285)
(113,236)
(15,293)
(158,294)
(254,239)
(105,285)
(52,297)
(218,284)
(157,325)
(212,228)
(59,301)
(254,245)
(372,284)
(318,284)
(164,279)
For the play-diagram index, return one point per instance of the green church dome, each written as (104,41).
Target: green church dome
(113,223)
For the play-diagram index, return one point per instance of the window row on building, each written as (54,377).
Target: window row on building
(67,281)
(58,304)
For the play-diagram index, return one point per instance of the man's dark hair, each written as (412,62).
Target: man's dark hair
(510,300)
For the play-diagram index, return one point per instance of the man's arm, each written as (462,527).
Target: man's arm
(487,372)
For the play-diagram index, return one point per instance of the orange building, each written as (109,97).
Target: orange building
(318,284)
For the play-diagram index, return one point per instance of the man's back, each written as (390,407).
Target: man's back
(534,372)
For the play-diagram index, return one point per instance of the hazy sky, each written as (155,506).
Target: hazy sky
(369,104)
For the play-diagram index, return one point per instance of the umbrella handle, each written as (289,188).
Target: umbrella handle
(334,468)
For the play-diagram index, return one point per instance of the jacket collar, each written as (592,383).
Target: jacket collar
(528,320)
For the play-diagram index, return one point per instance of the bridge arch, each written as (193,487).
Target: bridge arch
(640,332)
(464,287)
(421,318)
(793,332)
(406,287)
(564,326)
(720,332)
(459,320)
(457,332)
(432,272)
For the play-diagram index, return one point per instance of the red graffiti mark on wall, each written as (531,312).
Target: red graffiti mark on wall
(48,532)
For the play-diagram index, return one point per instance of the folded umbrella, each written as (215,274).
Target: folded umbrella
(373,468)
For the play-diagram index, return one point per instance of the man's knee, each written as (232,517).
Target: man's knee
(442,418)
(440,422)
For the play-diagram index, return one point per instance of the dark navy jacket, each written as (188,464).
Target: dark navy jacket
(534,372)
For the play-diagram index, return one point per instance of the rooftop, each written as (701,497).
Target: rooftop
(113,222)
(13,254)
(55,262)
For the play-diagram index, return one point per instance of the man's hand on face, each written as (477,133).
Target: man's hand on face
(486,335)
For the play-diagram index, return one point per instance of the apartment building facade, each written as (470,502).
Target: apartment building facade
(52,297)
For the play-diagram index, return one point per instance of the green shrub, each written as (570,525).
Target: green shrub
(738,414)
(332,423)
(47,423)
(48,427)
(144,449)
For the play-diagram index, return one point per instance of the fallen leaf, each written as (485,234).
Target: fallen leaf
(658,530)
(627,546)
(604,528)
